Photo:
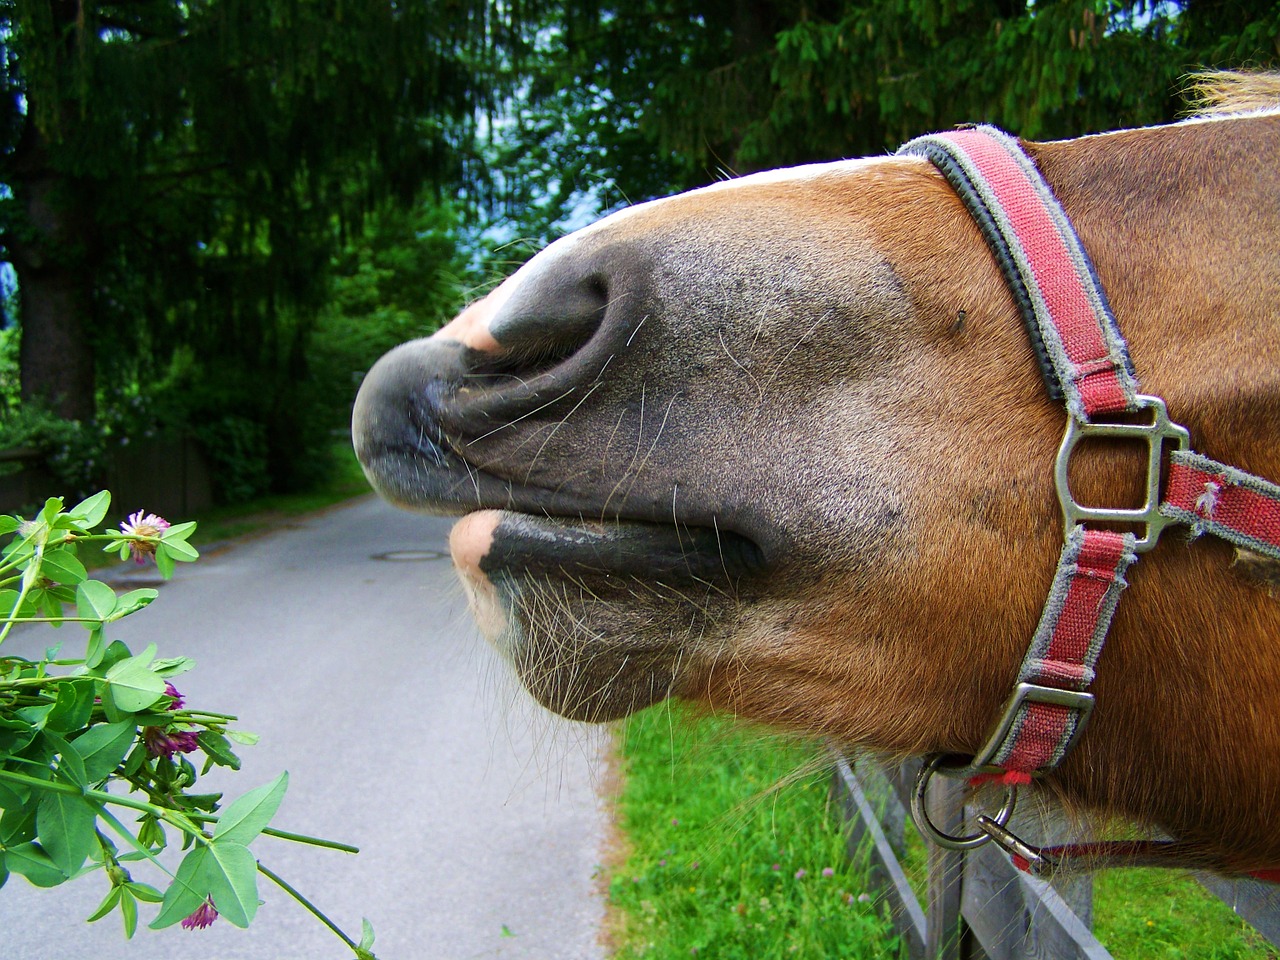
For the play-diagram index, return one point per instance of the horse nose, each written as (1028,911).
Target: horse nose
(429,405)
(541,316)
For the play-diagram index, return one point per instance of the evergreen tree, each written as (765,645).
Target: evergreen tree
(179,173)
(663,95)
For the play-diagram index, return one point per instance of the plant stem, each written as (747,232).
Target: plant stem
(286,835)
(313,841)
(184,822)
(284,885)
(192,714)
(169,816)
(58,620)
(28,580)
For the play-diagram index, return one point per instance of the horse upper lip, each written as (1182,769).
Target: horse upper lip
(545,529)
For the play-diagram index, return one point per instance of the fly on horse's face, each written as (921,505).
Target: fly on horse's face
(781,446)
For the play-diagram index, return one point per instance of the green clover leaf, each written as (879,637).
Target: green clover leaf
(132,685)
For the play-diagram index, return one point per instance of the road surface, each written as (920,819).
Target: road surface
(343,641)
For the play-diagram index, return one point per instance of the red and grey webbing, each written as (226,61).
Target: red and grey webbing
(1077,340)
(1086,364)
(1213,498)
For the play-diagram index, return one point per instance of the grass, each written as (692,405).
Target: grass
(723,862)
(731,849)
(1165,914)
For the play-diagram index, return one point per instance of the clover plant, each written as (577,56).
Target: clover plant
(98,751)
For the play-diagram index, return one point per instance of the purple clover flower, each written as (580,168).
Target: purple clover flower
(165,743)
(143,525)
(171,691)
(204,915)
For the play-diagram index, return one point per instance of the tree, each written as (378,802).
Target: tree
(664,95)
(180,172)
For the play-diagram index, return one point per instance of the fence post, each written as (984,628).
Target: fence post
(863,812)
(944,801)
(980,907)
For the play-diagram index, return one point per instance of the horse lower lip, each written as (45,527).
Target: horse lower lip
(527,545)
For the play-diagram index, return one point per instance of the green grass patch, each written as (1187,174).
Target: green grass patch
(1165,914)
(734,849)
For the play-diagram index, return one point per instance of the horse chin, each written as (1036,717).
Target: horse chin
(600,619)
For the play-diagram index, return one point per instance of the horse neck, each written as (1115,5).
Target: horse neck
(1183,225)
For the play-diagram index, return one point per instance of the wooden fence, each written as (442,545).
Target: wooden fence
(166,476)
(978,905)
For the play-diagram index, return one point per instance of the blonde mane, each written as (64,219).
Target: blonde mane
(1229,92)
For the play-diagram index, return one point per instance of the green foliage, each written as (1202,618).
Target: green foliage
(72,728)
(398,278)
(734,849)
(664,95)
(71,451)
(881,73)
(236,448)
(190,172)
(10,338)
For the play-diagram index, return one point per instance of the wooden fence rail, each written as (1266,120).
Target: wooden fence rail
(978,905)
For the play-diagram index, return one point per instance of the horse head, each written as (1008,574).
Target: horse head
(781,446)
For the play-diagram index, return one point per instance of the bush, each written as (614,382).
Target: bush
(72,451)
(236,448)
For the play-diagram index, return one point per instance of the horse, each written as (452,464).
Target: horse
(780,446)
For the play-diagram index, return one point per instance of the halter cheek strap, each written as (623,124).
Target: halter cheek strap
(1082,354)
(1086,364)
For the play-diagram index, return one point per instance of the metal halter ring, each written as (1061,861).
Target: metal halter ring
(926,826)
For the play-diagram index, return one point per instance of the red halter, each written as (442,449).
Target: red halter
(1086,364)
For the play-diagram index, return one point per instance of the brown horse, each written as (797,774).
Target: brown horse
(781,446)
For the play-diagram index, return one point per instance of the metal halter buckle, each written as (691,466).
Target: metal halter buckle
(1156,434)
(1023,693)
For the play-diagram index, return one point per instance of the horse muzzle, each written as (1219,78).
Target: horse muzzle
(478,417)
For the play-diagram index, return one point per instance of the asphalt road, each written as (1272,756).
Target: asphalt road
(343,640)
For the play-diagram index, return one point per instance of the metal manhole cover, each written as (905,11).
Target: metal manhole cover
(411,556)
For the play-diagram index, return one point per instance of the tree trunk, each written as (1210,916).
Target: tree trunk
(52,257)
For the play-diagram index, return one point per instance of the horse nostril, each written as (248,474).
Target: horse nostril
(547,320)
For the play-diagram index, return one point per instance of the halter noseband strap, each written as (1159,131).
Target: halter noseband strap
(1086,364)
